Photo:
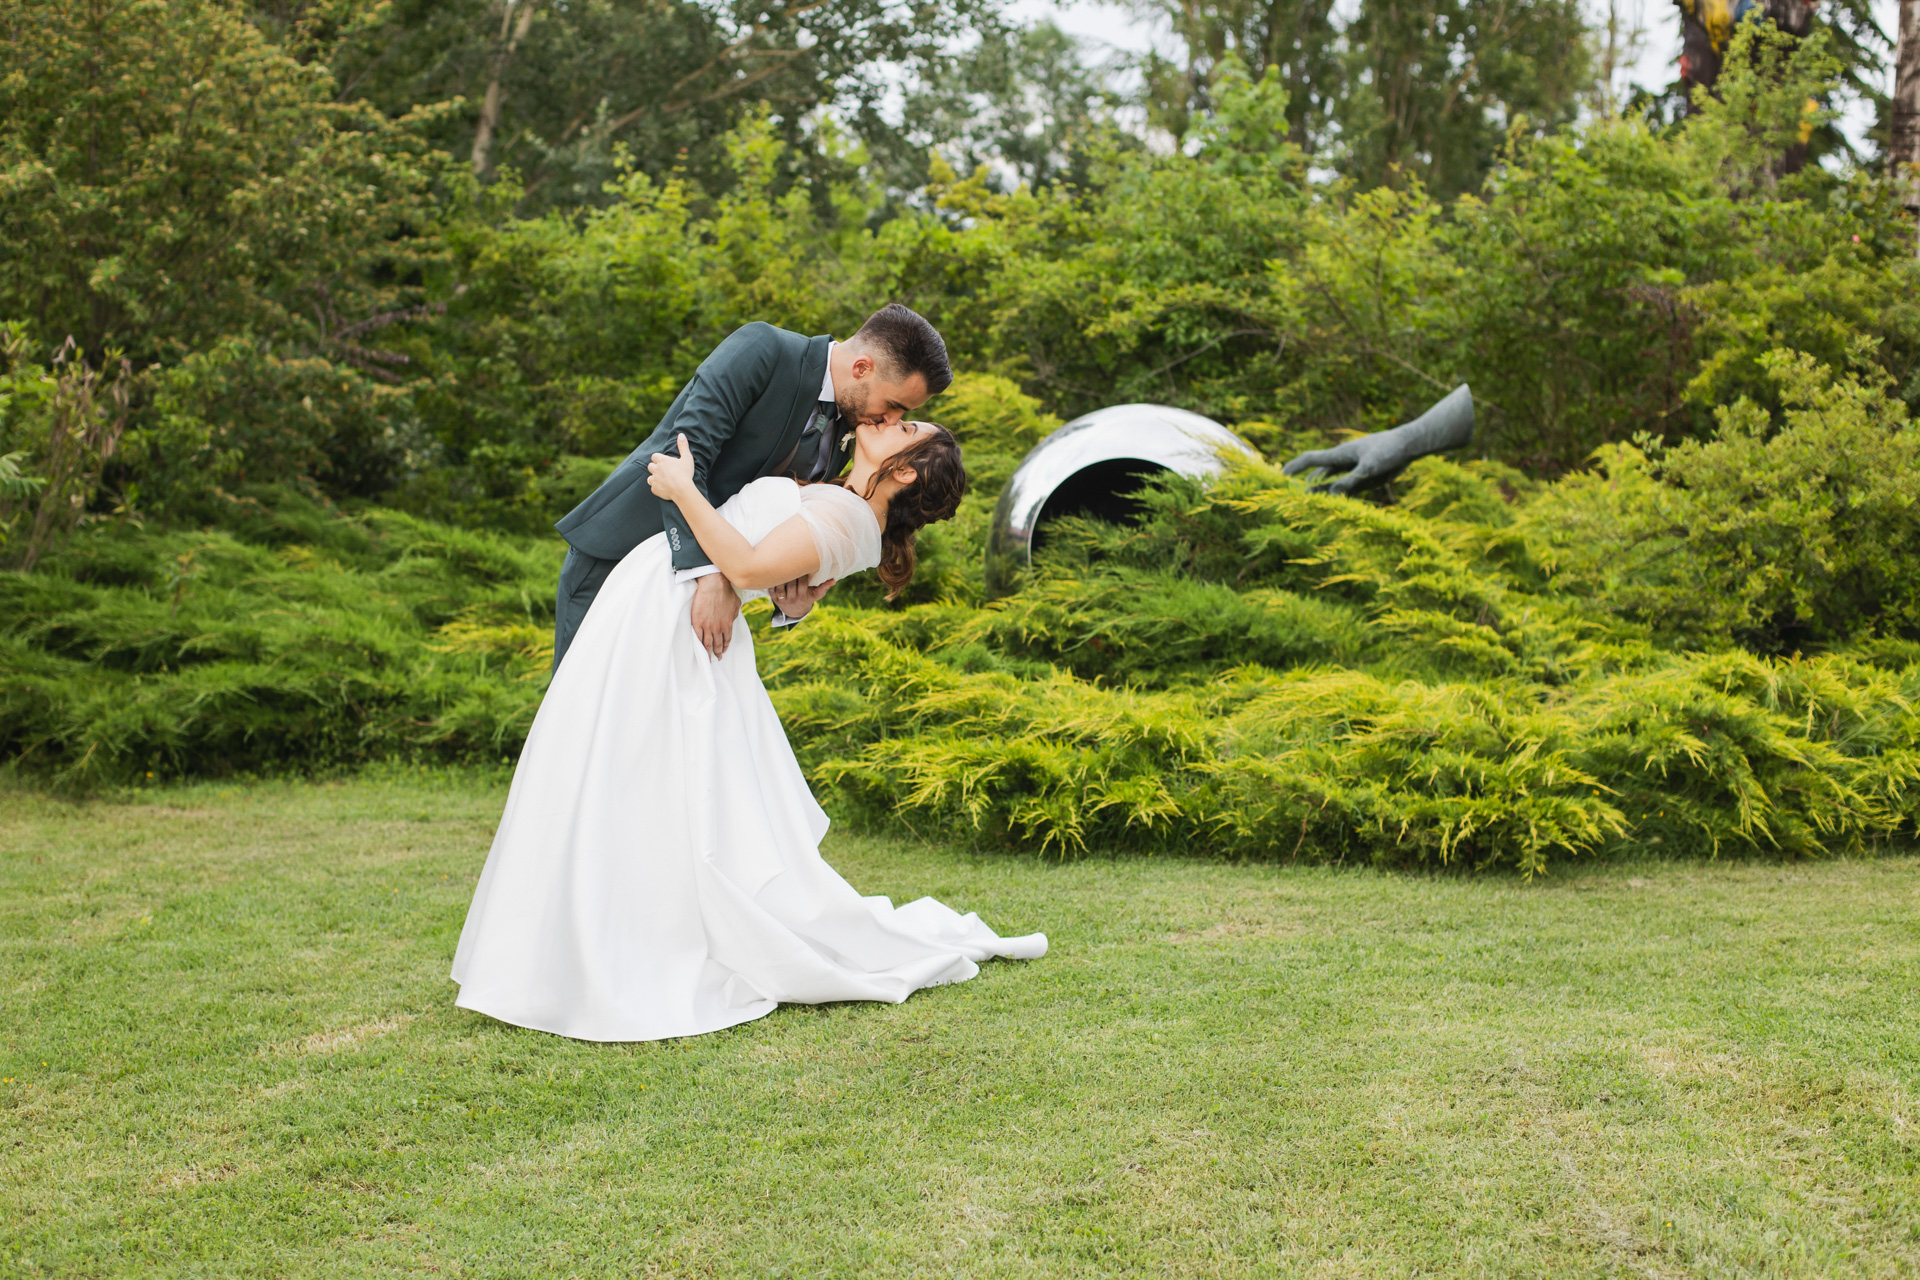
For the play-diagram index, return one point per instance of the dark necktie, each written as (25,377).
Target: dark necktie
(820,467)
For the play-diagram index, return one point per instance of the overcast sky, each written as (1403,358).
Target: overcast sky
(1117,27)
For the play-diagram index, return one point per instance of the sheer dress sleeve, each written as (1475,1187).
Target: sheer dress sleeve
(844,530)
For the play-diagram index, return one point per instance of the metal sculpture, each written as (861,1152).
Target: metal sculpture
(1373,460)
(1092,466)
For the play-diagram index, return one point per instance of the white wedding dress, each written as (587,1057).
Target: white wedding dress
(657,869)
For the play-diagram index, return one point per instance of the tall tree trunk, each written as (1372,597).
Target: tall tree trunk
(1903,146)
(516,16)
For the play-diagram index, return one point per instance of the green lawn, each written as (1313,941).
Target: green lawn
(230,1048)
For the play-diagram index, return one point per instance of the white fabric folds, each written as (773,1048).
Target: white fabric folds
(843,527)
(657,870)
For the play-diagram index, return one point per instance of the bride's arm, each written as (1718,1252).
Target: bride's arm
(788,552)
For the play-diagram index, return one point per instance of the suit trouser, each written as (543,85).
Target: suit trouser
(581,578)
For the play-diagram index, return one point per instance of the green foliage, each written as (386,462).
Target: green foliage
(1601,282)
(1509,66)
(293,638)
(1139,628)
(590,89)
(568,335)
(1710,637)
(1421,705)
(66,419)
(175,187)
(1766,103)
(1023,100)
(16,485)
(1144,283)
(1360,296)
(366,331)
(168,177)
(1392,91)
(1781,537)
(237,415)
(990,415)
(1570,324)
(1848,309)
(1727,754)
(1252,670)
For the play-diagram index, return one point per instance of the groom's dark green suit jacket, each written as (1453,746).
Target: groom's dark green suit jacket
(742,413)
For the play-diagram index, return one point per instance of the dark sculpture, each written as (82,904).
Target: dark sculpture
(1373,460)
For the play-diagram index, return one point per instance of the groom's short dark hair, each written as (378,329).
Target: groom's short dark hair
(907,344)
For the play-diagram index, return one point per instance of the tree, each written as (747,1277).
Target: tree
(567,94)
(168,177)
(1852,37)
(1297,37)
(1706,27)
(1903,144)
(176,186)
(1020,100)
(515,21)
(1436,86)
(1420,88)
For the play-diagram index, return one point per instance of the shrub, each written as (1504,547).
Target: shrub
(295,638)
(991,416)
(1779,536)
(1251,670)
(64,422)
(1329,764)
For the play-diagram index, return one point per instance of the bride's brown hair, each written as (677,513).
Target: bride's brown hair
(939,484)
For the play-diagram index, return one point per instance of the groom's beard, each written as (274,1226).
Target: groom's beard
(852,404)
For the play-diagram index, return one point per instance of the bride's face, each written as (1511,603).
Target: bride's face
(875,442)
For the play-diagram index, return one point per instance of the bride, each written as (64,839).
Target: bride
(657,869)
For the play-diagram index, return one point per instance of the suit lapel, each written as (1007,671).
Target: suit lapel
(806,394)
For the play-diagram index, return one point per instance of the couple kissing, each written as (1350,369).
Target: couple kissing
(657,869)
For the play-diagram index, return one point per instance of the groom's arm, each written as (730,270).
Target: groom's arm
(727,384)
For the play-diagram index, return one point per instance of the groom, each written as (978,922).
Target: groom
(766,403)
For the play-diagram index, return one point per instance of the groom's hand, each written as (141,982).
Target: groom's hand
(796,598)
(715,606)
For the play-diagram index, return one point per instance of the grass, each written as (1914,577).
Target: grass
(230,1049)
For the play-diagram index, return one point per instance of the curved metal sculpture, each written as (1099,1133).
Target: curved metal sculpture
(1372,460)
(1091,466)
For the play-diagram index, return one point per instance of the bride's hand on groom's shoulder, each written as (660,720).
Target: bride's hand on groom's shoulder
(670,476)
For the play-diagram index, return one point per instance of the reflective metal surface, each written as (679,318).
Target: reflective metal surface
(1089,466)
